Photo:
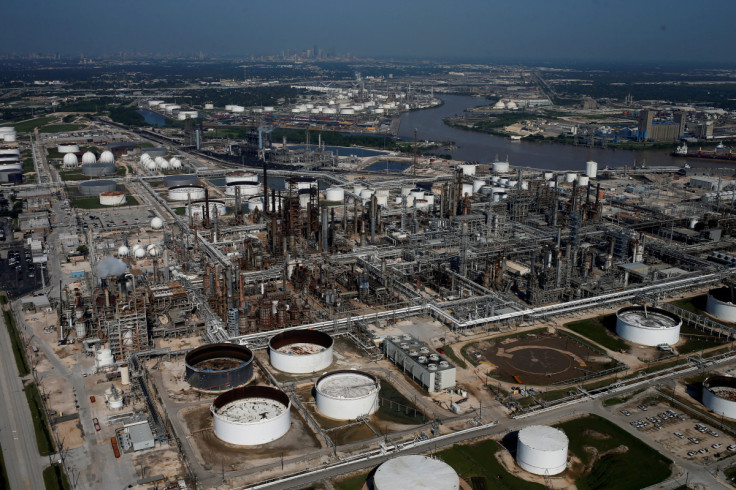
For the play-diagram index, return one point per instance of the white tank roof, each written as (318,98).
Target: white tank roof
(252,410)
(415,471)
(347,385)
(70,159)
(107,157)
(89,157)
(543,438)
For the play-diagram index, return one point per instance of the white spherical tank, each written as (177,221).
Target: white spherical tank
(501,167)
(160,162)
(107,157)
(139,253)
(154,251)
(164,164)
(123,251)
(89,157)
(719,395)
(157,223)
(186,192)
(70,160)
(347,395)
(251,415)
(648,326)
(112,198)
(542,450)
(175,163)
(300,351)
(335,194)
(722,304)
(467,169)
(145,157)
(415,472)
(591,169)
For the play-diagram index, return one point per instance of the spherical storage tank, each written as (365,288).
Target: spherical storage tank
(107,157)
(719,395)
(97,169)
(251,415)
(157,223)
(70,160)
(542,450)
(648,326)
(123,251)
(300,351)
(112,198)
(186,192)
(175,163)
(415,471)
(722,304)
(97,187)
(347,395)
(218,367)
(89,157)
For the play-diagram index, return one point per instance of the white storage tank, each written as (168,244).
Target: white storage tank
(542,450)
(103,358)
(583,180)
(240,176)
(300,351)
(648,326)
(247,189)
(467,189)
(112,198)
(124,374)
(549,175)
(570,177)
(251,415)
(196,210)
(335,194)
(722,304)
(467,169)
(70,161)
(382,200)
(719,395)
(123,251)
(175,163)
(68,148)
(209,107)
(591,169)
(415,472)
(107,157)
(501,167)
(89,157)
(255,204)
(186,192)
(477,184)
(157,223)
(417,193)
(347,395)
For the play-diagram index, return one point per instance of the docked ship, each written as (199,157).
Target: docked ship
(683,151)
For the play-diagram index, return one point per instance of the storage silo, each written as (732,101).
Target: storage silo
(347,395)
(719,395)
(251,415)
(415,471)
(648,326)
(300,351)
(722,304)
(591,169)
(542,450)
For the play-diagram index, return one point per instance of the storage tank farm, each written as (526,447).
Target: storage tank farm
(719,395)
(648,326)
(251,415)
(542,450)
(721,304)
(415,472)
(347,394)
(301,351)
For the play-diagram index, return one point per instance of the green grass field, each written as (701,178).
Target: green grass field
(638,466)
(403,410)
(617,400)
(54,478)
(61,128)
(478,461)
(18,350)
(354,482)
(40,421)
(31,124)
(454,357)
(600,330)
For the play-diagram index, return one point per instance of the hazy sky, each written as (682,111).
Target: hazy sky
(598,30)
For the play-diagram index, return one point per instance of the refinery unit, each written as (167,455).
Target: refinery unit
(314,315)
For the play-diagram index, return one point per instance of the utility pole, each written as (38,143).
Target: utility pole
(414,157)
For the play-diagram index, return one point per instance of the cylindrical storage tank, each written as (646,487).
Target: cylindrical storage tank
(112,198)
(186,192)
(347,395)
(583,180)
(357,188)
(209,106)
(414,472)
(511,184)
(719,395)
(124,374)
(467,189)
(179,180)
(68,148)
(648,326)
(525,186)
(89,157)
(240,176)
(417,193)
(477,184)
(591,169)
(103,358)
(347,111)
(251,415)
(549,175)
(97,187)
(366,194)
(196,210)
(300,183)
(70,160)
(570,177)
(383,200)
(722,304)
(501,167)
(218,367)
(107,157)
(304,197)
(405,191)
(467,169)
(542,450)
(551,184)
(247,189)
(255,203)
(300,351)
(329,110)
(335,194)
(98,169)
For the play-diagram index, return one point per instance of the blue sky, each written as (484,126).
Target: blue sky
(586,30)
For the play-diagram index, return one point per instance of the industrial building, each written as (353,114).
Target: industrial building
(424,365)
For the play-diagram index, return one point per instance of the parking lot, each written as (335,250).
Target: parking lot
(18,274)
(686,437)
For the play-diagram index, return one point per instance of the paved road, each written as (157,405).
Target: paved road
(17,437)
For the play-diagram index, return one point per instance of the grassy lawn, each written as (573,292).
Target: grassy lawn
(352,482)
(40,422)
(28,165)
(454,357)
(699,340)
(93,202)
(31,124)
(75,174)
(18,350)
(54,478)
(637,467)
(4,483)
(617,400)
(477,462)
(180,211)
(696,304)
(403,410)
(601,330)
(61,128)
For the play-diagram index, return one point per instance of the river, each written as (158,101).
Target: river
(484,148)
